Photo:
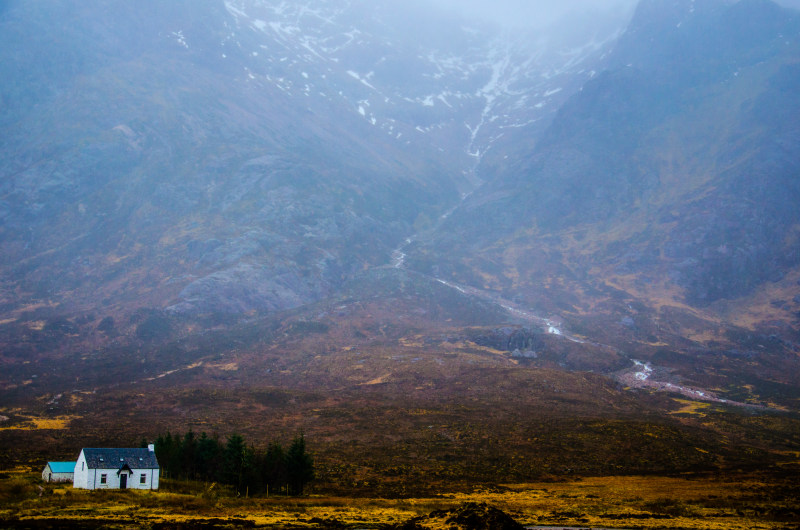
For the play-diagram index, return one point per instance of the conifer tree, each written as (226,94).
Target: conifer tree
(236,460)
(299,466)
(209,460)
(188,458)
(273,468)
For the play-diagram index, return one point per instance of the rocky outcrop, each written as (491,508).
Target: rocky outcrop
(468,516)
(525,342)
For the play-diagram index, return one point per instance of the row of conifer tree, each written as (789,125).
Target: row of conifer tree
(234,462)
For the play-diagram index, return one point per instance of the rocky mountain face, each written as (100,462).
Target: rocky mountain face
(671,176)
(243,157)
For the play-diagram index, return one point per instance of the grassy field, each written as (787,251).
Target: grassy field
(734,502)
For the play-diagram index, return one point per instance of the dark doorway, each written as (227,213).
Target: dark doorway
(123,481)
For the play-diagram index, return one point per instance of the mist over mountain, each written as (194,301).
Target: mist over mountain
(227,157)
(673,164)
(619,182)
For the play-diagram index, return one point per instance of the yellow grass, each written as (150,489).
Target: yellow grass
(698,408)
(225,367)
(703,336)
(33,307)
(415,342)
(379,380)
(757,308)
(473,346)
(608,502)
(33,423)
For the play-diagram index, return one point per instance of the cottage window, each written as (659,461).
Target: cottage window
(82,465)
(143,478)
(103,478)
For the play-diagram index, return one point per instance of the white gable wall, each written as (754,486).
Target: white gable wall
(81,475)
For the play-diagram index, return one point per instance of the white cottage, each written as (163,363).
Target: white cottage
(117,469)
(58,472)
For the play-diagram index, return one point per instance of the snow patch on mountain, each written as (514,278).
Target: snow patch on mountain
(460,92)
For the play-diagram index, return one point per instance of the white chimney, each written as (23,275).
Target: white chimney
(151,448)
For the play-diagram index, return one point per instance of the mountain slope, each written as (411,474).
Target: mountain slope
(243,161)
(661,199)
(225,158)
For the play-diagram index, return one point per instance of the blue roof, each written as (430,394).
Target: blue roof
(62,467)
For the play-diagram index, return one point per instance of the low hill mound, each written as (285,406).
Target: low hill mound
(468,516)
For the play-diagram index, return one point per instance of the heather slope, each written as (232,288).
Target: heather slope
(674,170)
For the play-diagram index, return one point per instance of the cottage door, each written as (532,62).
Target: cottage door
(123,481)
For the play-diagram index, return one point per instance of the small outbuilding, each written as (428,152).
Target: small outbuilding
(58,472)
(117,469)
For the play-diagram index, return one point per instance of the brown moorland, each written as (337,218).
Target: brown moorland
(410,408)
